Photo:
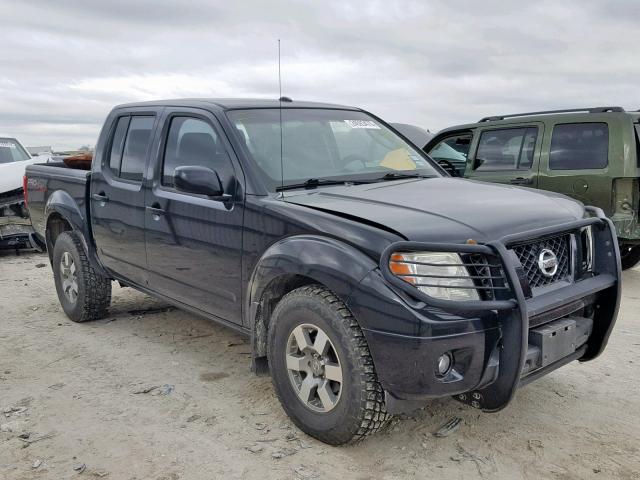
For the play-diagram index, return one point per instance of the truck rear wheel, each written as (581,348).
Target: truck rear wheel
(629,256)
(321,368)
(83,293)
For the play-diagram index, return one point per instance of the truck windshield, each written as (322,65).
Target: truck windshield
(323,145)
(11,151)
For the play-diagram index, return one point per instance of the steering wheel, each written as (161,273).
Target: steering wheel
(448,167)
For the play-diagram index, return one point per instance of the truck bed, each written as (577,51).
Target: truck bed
(45,180)
(53,169)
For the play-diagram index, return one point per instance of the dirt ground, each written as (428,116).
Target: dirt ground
(72,404)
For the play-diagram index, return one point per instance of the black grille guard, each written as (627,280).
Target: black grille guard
(513,311)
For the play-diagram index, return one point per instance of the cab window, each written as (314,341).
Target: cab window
(117,142)
(579,146)
(194,142)
(638,143)
(506,149)
(452,151)
(129,146)
(136,147)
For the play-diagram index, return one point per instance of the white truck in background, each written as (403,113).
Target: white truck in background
(16,231)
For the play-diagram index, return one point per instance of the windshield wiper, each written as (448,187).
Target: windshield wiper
(399,175)
(317,182)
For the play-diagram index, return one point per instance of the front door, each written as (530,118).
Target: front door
(451,151)
(194,243)
(509,154)
(117,195)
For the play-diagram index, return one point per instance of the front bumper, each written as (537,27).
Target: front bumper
(498,344)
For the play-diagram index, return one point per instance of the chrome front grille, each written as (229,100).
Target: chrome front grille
(529,256)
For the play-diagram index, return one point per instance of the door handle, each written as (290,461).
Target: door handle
(100,197)
(521,181)
(155,210)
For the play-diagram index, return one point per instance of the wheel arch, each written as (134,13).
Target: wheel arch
(55,225)
(291,263)
(62,213)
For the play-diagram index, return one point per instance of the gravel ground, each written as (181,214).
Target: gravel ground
(72,404)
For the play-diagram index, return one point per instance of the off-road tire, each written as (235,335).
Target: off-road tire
(629,256)
(94,290)
(360,410)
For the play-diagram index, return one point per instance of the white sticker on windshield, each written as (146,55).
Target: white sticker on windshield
(7,145)
(362,124)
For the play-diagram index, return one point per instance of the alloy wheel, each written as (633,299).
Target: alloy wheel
(69,277)
(314,368)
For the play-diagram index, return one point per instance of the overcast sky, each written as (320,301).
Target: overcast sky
(65,63)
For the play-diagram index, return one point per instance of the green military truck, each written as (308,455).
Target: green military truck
(590,154)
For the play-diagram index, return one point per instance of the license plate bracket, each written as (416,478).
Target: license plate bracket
(555,340)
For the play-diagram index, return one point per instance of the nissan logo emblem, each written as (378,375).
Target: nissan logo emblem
(547,262)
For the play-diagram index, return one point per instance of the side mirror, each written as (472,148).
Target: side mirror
(199,180)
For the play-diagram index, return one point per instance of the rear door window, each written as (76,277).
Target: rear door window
(579,146)
(136,147)
(506,149)
(115,157)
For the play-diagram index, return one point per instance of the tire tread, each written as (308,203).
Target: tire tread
(97,287)
(373,415)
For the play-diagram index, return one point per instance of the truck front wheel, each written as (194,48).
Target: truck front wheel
(83,293)
(321,367)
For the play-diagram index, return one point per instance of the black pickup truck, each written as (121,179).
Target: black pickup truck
(368,280)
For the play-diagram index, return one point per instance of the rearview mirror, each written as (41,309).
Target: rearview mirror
(199,180)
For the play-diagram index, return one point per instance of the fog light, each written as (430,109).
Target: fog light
(444,364)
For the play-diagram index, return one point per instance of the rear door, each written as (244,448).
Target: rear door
(117,194)
(506,154)
(194,243)
(576,160)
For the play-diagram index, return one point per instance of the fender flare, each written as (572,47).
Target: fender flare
(64,205)
(337,265)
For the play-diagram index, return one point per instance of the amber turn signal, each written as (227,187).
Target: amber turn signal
(399,268)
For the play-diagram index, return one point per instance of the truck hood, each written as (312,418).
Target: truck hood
(11,174)
(443,209)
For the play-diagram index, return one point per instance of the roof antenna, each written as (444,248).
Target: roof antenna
(280,111)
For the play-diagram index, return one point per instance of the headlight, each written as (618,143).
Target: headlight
(438,274)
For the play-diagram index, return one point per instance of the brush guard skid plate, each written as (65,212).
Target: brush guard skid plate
(515,305)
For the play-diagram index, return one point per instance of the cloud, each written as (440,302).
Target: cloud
(64,64)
